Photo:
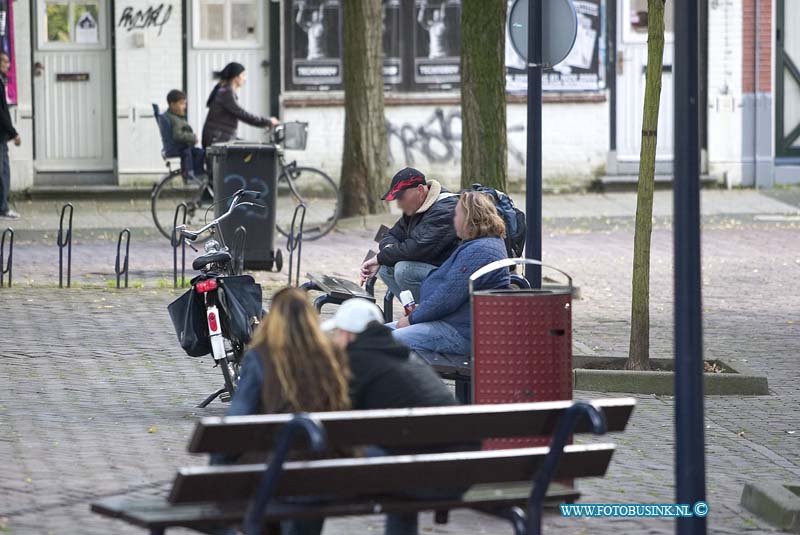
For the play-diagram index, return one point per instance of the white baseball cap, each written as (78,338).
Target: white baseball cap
(353,316)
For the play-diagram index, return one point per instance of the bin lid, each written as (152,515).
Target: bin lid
(248,146)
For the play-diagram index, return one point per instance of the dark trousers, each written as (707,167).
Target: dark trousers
(193,161)
(5,177)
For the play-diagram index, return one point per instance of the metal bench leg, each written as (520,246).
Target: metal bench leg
(464,391)
(388,301)
(323,300)
(307,286)
(544,475)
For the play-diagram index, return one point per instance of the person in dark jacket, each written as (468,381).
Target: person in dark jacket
(7,133)
(224,112)
(383,375)
(421,240)
(183,137)
(441,320)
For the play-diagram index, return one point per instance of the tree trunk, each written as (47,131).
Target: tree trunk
(484,148)
(639,352)
(365,152)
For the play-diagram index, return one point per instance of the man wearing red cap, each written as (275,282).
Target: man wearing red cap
(421,240)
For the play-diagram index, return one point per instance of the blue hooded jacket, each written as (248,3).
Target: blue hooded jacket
(444,294)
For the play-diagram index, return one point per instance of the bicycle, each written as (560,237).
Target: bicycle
(296,185)
(232,304)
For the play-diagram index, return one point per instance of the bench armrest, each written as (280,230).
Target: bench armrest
(257,506)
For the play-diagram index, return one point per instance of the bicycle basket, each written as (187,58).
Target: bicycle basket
(240,299)
(295,135)
(188,314)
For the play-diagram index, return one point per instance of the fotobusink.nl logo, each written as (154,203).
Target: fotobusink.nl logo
(656,510)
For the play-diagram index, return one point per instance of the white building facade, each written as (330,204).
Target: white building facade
(87,72)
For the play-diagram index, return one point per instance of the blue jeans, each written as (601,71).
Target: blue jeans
(437,336)
(405,276)
(5,177)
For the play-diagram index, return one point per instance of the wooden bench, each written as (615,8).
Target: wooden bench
(509,483)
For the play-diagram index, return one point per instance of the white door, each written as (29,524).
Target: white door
(73,117)
(631,64)
(221,31)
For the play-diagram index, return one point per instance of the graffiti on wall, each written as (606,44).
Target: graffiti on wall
(141,19)
(436,140)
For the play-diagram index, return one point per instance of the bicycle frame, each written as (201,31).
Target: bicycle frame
(209,289)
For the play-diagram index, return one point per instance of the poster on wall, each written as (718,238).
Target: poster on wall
(582,70)
(437,43)
(391,20)
(314,44)
(7,38)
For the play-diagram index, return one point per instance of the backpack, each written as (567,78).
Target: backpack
(512,217)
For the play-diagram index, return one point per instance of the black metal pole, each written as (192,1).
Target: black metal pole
(533,174)
(274,58)
(689,439)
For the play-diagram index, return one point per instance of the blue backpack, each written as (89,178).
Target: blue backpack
(512,217)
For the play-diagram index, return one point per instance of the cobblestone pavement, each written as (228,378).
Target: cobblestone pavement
(96,397)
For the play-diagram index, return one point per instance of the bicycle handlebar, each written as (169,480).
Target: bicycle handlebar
(235,203)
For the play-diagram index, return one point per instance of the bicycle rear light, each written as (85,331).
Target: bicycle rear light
(206,286)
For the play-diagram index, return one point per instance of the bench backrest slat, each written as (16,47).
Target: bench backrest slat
(403,427)
(378,475)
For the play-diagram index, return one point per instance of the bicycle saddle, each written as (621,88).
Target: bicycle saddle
(217,257)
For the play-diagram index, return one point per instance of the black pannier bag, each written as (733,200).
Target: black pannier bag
(241,306)
(188,314)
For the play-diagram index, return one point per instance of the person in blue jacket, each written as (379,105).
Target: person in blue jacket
(441,320)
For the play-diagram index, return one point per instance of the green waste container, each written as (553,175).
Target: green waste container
(250,166)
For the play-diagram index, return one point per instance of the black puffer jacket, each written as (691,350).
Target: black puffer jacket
(387,376)
(223,118)
(427,236)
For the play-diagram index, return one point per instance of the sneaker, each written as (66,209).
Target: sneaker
(9,214)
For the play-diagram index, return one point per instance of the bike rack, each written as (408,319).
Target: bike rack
(174,242)
(239,240)
(8,265)
(62,242)
(127,233)
(295,241)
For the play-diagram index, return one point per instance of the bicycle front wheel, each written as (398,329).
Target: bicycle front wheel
(174,190)
(319,193)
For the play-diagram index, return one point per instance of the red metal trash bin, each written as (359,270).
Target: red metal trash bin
(521,345)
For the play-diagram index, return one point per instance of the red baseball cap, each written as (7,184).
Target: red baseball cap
(404,179)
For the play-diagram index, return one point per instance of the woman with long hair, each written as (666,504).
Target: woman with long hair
(292,366)
(224,112)
(441,321)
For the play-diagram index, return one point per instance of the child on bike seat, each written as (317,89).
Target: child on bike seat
(183,137)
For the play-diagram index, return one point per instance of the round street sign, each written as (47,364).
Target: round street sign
(559,28)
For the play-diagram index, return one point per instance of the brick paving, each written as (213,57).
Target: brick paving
(96,397)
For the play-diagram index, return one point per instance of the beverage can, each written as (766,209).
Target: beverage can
(407,299)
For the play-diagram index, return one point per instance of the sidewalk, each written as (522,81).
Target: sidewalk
(110,215)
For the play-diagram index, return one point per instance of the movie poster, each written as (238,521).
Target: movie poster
(314,44)
(391,20)
(582,70)
(437,43)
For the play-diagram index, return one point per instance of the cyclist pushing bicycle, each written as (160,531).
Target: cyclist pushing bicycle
(224,112)
(295,185)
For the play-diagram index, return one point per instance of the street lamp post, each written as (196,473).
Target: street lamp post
(689,438)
